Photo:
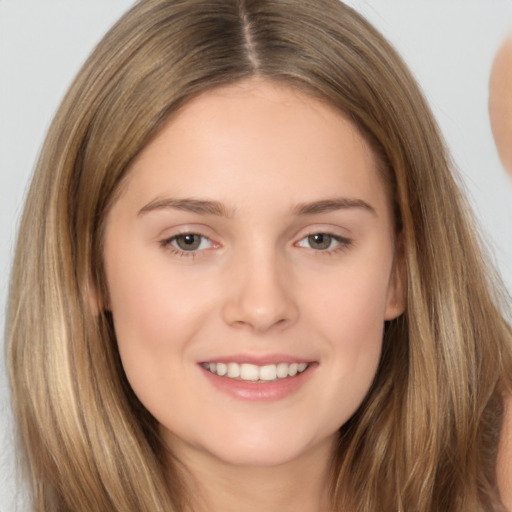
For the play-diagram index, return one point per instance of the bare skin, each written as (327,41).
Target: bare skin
(299,485)
(262,237)
(505,458)
(253,285)
(500,103)
(500,112)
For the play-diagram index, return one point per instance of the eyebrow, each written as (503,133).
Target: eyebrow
(331,205)
(199,206)
(206,207)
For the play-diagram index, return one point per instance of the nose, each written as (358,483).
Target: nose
(260,296)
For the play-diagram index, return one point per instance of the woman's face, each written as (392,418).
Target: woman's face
(250,265)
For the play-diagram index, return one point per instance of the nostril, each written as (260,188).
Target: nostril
(260,299)
(259,319)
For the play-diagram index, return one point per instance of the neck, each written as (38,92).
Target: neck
(301,485)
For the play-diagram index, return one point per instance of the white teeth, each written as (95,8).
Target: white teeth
(282,370)
(268,372)
(249,372)
(222,369)
(254,373)
(233,370)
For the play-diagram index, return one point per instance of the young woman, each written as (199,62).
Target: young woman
(246,279)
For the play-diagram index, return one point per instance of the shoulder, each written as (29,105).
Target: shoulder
(504,468)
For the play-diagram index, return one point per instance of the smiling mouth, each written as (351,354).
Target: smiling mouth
(254,373)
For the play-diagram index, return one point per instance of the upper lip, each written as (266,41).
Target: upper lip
(257,359)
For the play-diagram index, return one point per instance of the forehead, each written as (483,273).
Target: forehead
(257,135)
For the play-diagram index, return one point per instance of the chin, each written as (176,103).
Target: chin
(266,450)
(258,457)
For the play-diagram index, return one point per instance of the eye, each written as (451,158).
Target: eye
(188,242)
(324,242)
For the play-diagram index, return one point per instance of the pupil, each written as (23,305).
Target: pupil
(320,241)
(188,242)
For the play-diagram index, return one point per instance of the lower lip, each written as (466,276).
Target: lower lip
(259,391)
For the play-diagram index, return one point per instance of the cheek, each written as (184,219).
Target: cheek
(139,311)
(350,311)
(154,326)
(155,315)
(151,299)
(355,332)
(352,305)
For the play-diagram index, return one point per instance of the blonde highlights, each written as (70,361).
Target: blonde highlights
(425,437)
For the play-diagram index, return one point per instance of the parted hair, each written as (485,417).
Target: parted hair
(424,439)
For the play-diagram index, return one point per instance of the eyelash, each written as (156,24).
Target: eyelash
(342,244)
(168,245)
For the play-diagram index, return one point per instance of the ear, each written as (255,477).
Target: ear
(96,298)
(93,297)
(397,288)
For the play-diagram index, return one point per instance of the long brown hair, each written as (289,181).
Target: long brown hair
(425,438)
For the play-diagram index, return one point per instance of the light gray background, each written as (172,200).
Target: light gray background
(449,45)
